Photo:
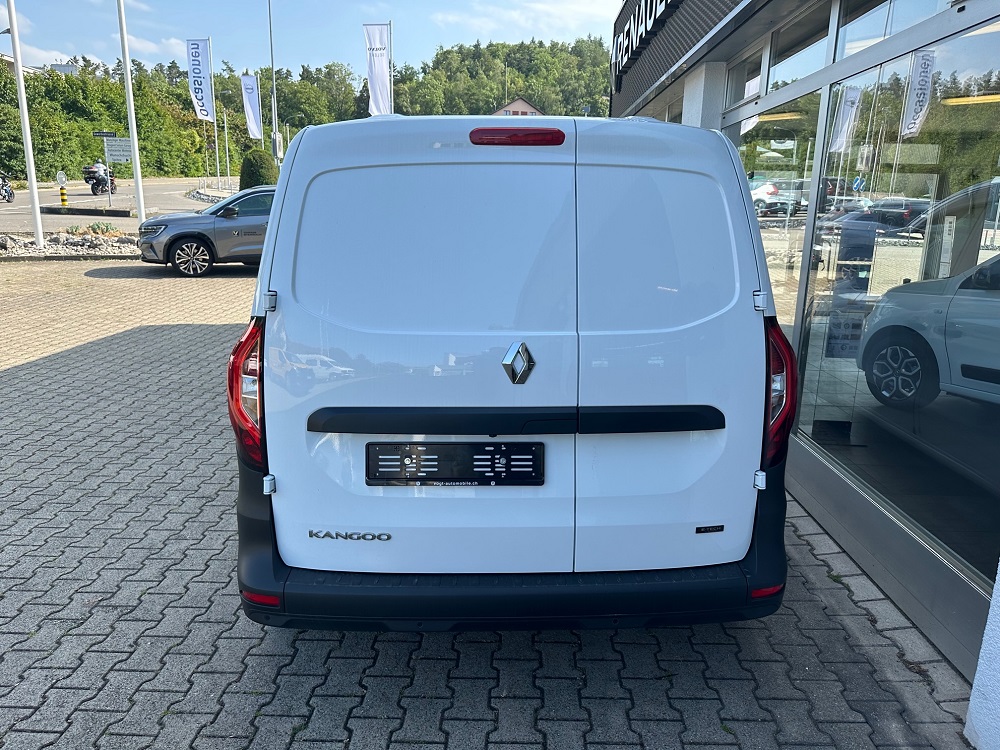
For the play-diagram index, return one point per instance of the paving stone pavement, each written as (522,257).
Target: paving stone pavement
(120,624)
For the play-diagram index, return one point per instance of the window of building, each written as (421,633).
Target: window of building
(744,78)
(778,149)
(865,22)
(800,47)
(901,348)
(675,110)
(506,111)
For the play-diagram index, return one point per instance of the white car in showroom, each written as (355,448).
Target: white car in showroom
(936,335)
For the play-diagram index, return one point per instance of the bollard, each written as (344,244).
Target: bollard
(62,196)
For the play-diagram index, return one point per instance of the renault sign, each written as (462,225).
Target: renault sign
(646,19)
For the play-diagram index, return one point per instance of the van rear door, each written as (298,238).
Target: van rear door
(409,265)
(672,355)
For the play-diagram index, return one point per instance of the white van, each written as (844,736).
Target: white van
(506,376)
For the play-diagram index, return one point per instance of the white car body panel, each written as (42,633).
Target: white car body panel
(463,266)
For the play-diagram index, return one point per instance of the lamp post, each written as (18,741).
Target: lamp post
(225,128)
(22,103)
(293,117)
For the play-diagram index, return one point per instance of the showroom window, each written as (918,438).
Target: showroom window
(744,78)
(900,355)
(778,149)
(868,21)
(799,48)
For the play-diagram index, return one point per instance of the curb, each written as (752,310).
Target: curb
(70,211)
(104,256)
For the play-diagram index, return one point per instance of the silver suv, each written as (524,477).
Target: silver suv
(230,231)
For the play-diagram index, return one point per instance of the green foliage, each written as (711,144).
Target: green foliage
(258,169)
(103,227)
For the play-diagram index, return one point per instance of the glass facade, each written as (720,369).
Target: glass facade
(901,353)
(778,149)
(865,22)
(800,47)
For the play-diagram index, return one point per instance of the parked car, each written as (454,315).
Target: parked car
(767,199)
(940,334)
(230,231)
(795,191)
(590,461)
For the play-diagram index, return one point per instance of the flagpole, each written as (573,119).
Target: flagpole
(215,118)
(392,82)
(140,204)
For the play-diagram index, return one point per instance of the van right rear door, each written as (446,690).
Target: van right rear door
(672,351)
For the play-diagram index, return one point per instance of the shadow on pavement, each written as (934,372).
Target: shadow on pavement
(152,271)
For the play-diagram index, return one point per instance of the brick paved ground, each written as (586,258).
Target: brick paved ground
(120,623)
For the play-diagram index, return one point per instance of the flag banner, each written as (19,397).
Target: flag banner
(379,73)
(918,98)
(200,79)
(847,118)
(251,105)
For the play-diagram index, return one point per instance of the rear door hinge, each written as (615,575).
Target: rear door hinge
(760,301)
(759,480)
(269,484)
(271,301)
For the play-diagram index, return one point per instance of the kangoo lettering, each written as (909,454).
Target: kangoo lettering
(352,536)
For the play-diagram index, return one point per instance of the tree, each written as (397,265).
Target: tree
(258,169)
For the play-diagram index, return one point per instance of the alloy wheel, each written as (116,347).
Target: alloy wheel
(897,372)
(192,258)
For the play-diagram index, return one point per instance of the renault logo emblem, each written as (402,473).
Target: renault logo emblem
(518,362)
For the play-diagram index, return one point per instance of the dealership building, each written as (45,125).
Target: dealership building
(870,133)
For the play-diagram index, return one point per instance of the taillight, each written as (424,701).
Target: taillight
(761,593)
(772,190)
(517,137)
(245,395)
(268,600)
(782,379)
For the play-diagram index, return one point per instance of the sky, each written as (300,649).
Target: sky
(306,32)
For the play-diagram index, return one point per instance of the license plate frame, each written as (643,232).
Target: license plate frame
(455,464)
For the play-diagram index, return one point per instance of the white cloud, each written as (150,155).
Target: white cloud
(138,5)
(148,50)
(37,57)
(554,18)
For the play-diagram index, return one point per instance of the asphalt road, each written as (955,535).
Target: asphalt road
(162,195)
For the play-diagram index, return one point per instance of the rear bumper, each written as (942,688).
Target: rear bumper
(376,601)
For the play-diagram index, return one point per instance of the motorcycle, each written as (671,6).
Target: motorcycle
(99,187)
(6,191)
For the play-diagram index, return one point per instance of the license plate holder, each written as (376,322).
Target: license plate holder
(455,464)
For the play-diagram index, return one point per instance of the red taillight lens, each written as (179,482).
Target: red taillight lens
(772,190)
(268,600)
(245,395)
(517,137)
(769,591)
(782,381)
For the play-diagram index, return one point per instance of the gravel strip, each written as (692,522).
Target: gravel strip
(61,245)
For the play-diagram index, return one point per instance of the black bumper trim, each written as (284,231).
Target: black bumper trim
(558,420)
